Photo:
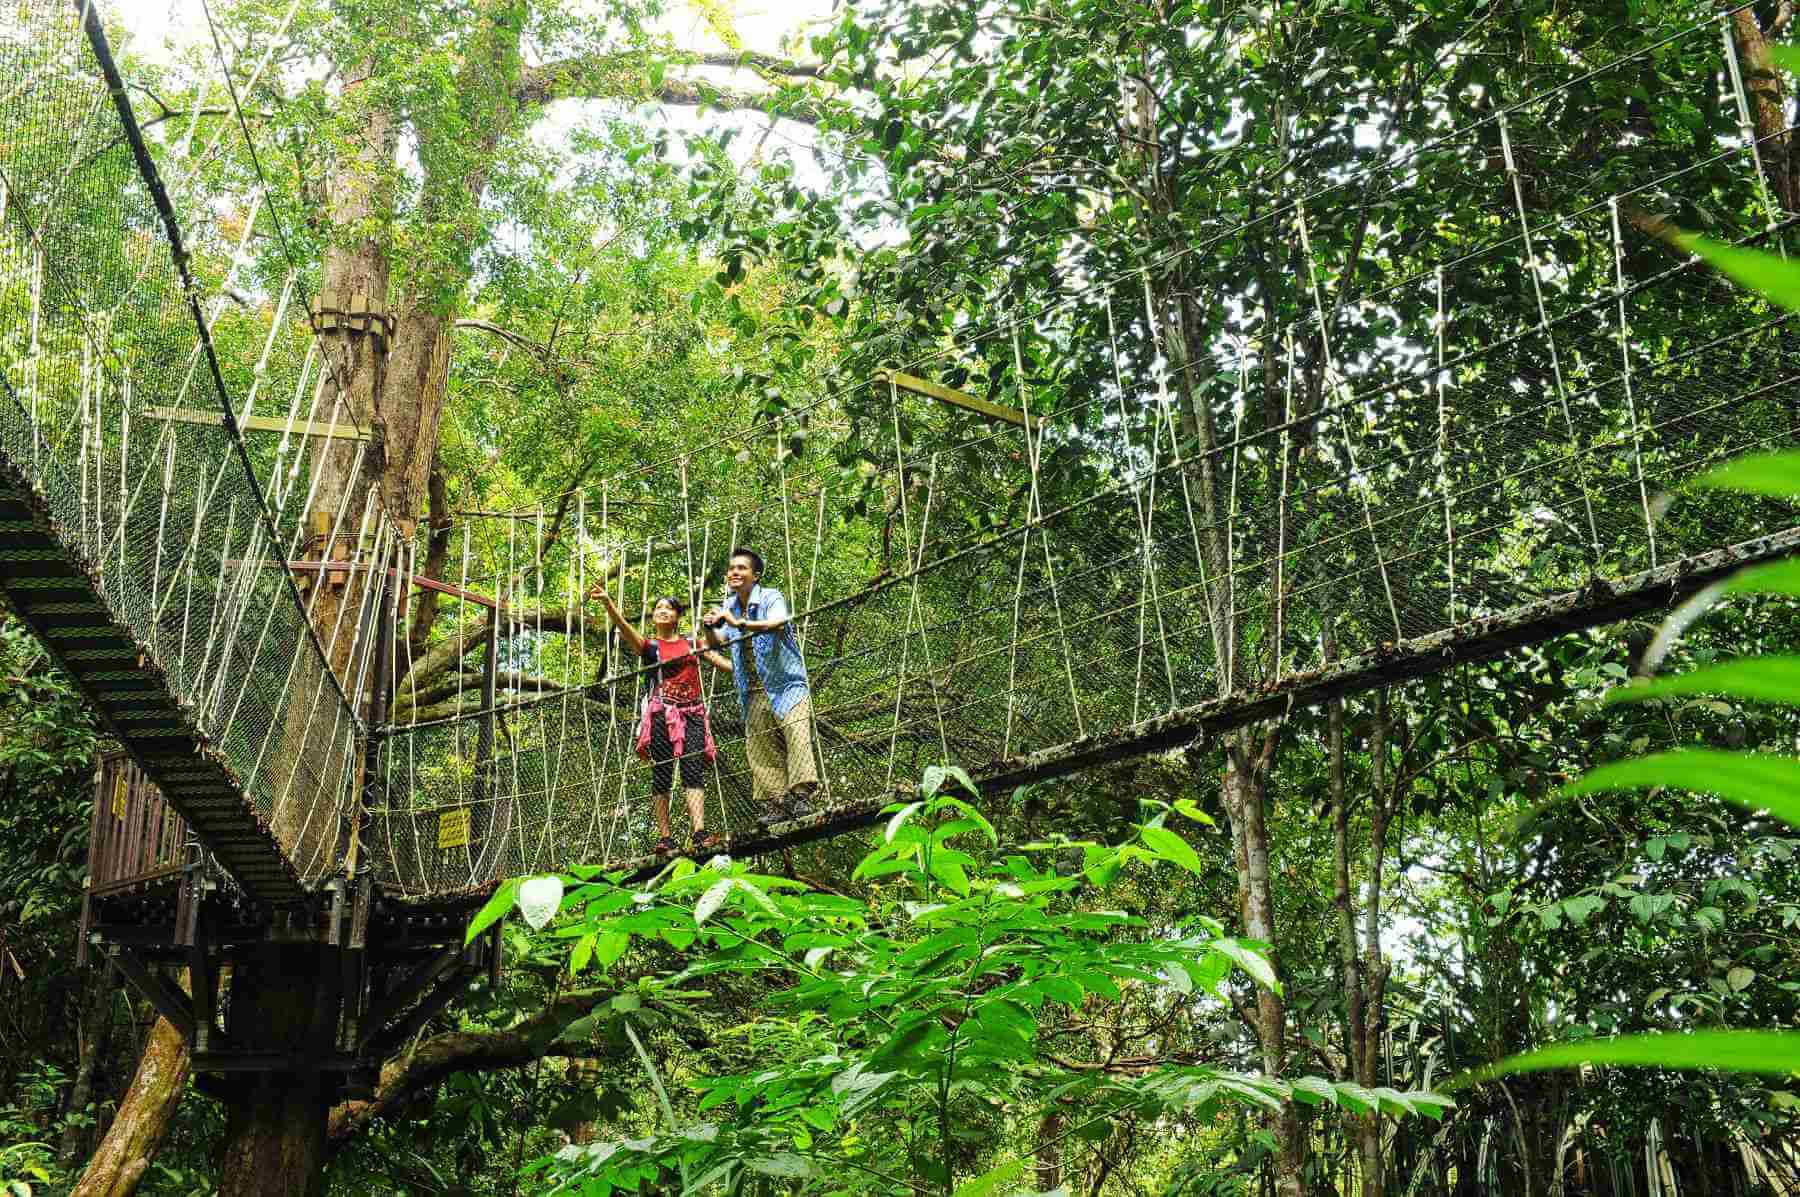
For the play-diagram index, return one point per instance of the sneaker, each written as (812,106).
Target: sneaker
(664,846)
(706,841)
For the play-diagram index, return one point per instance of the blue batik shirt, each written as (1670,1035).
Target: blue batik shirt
(777,654)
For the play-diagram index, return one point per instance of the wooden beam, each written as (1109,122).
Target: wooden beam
(956,398)
(182,415)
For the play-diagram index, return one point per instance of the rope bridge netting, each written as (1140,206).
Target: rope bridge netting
(1058,577)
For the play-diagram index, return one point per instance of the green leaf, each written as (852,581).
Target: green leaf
(1313,1091)
(937,775)
(1771,577)
(1765,273)
(783,1163)
(1739,978)
(992,1181)
(1582,908)
(1786,56)
(1171,847)
(1776,475)
(1754,781)
(1355,1098)
(1061,989)
(1254,963)
(1756,679)
(1770,1053)
(950,873)
(899,820)
(495,910)
(711,900)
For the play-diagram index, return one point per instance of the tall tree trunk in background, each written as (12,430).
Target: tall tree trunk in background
(1246,795)
(1767,95)
(138,1129)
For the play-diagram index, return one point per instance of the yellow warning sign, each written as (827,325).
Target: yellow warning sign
(453,828)
(118,794)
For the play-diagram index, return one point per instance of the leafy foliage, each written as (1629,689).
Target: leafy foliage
(905,1039)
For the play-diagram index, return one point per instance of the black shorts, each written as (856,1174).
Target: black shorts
(663,758)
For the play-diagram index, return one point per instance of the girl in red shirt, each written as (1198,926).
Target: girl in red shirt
(673,726)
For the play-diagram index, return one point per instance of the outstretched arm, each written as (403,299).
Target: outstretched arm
(716,659)
(633,638)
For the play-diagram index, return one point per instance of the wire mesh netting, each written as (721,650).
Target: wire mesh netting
(1494,425)
(114,418)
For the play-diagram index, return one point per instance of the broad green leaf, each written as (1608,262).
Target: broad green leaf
(1758,679)
(1580,909)
(1769,275)
(1355,1098)
(1395,1102)
(949,872)
(899,820)
(1754,781)
(495,909)
(783,1163)
(1061,989)
(1312,1091)
(610,946)
(1769,1053)
(1739,978)
(1776,475)
(1786,56)
(1173,848)
(992,1181)
(1254,963)
(1771,577)
(1433,1105)
(711,900)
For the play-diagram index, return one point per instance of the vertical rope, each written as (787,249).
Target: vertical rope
(1637,438)
(1281,508)
(906,537)
(1143,496)
(1033,452)
(1562,390)
(693,593)
(1354,480)
(1443,448)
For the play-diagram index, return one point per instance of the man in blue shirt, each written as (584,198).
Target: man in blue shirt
(771,686)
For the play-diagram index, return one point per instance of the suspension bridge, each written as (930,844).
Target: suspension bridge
(179,534)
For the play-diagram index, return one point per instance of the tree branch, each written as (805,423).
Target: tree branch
(410,1076)
(622,77)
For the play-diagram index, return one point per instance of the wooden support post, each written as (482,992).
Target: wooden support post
(409,988)
(169,1001)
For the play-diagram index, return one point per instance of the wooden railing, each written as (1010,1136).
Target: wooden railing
(136,837)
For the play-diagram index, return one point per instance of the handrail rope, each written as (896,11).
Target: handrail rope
(1243,569)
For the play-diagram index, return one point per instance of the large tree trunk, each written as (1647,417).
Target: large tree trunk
(1246,794)
(275,1128)
(143,1119)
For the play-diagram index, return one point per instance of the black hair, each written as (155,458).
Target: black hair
(756,561)
(680,607)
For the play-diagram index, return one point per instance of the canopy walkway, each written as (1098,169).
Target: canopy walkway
(1050,582)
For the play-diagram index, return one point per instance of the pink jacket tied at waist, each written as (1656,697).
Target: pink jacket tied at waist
(675,715)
